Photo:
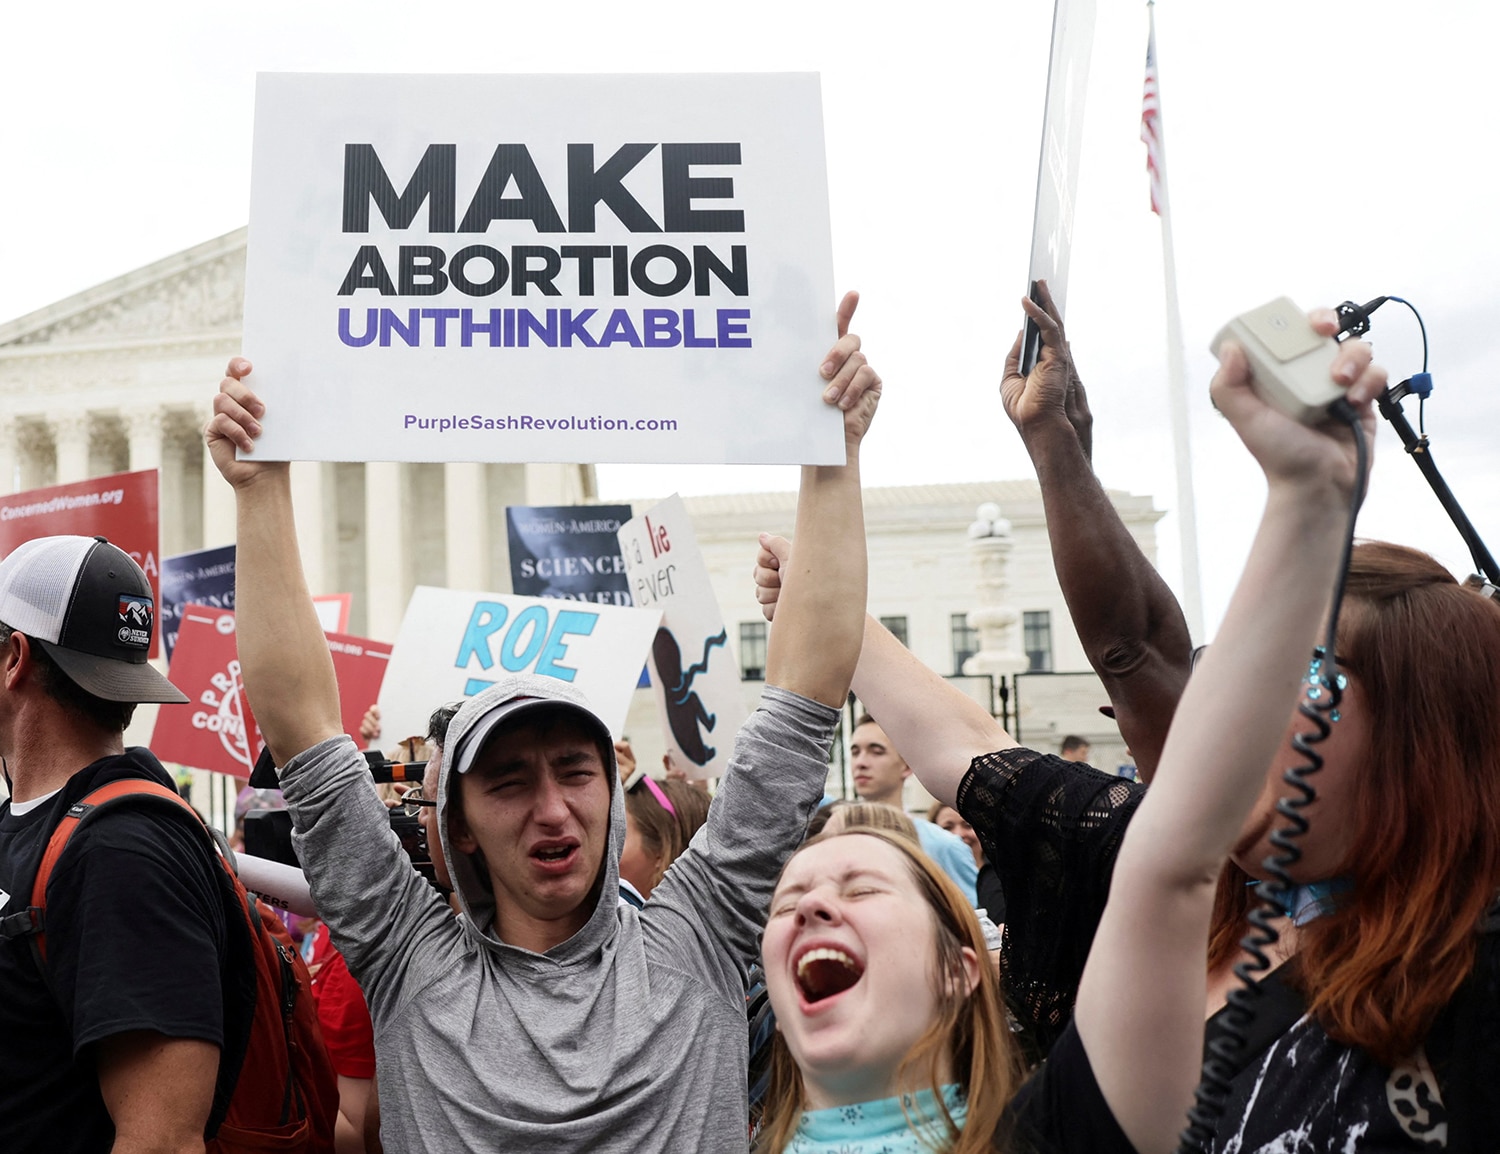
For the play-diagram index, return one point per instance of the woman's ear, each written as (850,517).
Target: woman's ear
(971,969)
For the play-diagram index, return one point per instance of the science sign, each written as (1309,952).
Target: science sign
(568,551)
(121,507)
(216,729)
(453,644)
(693,673)
(541,268)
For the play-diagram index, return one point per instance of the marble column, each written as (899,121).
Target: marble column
(218,497)
(552,484)
(387,544)
(467,525)
(317,531)
(70,435)
(143,432)
(10,454)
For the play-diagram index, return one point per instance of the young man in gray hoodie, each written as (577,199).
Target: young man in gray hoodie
(551,1017)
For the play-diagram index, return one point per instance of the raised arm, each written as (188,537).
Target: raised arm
(938,728)
(1132,630)
(816,640)
(288,671)
(1140,1004)
(780,759)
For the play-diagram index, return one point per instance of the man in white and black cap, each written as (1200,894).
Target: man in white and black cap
(550,1016)
(113,1011)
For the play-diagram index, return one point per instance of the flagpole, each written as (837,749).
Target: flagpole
(1187,517)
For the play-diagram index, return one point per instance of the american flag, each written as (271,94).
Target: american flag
(1151,124)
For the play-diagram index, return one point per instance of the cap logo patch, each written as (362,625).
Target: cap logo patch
(134,626)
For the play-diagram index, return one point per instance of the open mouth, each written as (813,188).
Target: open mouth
(826,971)
(553,854)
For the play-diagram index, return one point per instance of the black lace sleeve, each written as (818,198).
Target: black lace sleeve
(1052,829)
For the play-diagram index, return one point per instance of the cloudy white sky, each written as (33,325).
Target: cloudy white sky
(1319,150)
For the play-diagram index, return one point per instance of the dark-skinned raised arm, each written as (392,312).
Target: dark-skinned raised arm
(1132,629)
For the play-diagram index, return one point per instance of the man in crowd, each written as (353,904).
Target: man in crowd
(550,1016)
(1074,748)
(880,774)
(113,1020)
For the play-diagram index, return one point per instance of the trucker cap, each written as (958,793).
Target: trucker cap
(512,698)
(90,608)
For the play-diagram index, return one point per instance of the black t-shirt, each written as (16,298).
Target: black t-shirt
(991,893)
(137,939)
(1060,1108)
(1053,829)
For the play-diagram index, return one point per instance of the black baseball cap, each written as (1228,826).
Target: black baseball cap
(89,606)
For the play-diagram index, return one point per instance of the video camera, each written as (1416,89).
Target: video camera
(268,832)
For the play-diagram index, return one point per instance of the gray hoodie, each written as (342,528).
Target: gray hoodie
(631,1035)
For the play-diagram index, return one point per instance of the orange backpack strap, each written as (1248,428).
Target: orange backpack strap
(124,787)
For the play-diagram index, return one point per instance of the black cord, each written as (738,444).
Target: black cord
(1421,399)
(1325,691)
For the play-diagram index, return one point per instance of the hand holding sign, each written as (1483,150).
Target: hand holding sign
(235,425)
(1052,390)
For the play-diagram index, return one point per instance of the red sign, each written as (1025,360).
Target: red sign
(333,610)
(121,507)
(215,730)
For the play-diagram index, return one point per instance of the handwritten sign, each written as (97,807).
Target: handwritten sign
(453,644)
(692,671)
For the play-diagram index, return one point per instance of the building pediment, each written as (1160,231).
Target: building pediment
(193,293)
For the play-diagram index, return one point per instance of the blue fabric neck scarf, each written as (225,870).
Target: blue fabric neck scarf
(878,1127)
(1305,903)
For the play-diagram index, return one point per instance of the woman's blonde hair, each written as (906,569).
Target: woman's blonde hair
(864,815)
(969,1029)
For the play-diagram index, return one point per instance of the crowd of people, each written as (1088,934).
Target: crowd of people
(609,960)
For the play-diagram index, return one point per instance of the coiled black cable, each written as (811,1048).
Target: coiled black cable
(1325,690)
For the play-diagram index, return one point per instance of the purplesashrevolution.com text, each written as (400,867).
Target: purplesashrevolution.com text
(529,423)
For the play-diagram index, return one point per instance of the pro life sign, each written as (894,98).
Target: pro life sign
(541,268)
(693,674)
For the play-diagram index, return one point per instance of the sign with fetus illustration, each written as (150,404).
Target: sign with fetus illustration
(693,672)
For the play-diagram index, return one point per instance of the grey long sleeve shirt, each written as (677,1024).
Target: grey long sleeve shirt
(631,1035)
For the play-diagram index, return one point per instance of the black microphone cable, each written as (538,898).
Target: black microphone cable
(1320,707)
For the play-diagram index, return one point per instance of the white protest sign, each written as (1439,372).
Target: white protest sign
(541,268)
(1057,173)
(453,644)
(693,674)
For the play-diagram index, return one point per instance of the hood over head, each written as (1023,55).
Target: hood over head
(485,718)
